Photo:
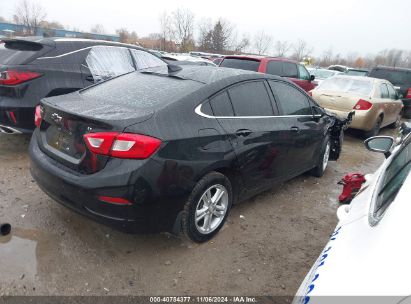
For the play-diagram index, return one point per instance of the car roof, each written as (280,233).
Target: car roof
(82,42)
(259,58)
(210,74)
(359,78)
(390,68)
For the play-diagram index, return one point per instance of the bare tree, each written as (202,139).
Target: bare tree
(98,29)
(242,45)
(183,27)
(301,50)
(205,33)
(282,48)
(262,42)
(166,29)
(29,14)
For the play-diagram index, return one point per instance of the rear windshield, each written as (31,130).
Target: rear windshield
(395,77)
(16,52)
(348,85)
(243,64)
(323,74)
(356,73)
(141,91)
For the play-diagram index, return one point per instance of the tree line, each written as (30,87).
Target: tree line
(179,31)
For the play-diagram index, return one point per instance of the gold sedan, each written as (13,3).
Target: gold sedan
(375,101)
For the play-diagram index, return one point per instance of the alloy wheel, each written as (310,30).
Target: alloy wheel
(211,209)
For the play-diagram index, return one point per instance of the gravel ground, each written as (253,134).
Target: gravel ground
(266,247)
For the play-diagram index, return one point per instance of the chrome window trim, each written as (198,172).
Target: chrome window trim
(86,48)
(198,112)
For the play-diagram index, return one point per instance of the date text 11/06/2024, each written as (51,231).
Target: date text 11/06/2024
(205,299)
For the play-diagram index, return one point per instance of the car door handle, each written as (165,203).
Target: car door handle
(243,132)
(295,129)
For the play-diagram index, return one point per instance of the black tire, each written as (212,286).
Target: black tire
(407,112)
(375,129)
(397,123)
(189,212)
(319,169)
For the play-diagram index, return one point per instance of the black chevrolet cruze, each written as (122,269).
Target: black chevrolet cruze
(35,67)
(151,151)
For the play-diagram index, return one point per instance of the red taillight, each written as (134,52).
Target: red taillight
(114,200)
(12,77)
(408,93)
(122,145)
(38,116)
(362,105)
(13,117)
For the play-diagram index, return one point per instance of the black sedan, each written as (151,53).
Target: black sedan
(33,68)
(149,150)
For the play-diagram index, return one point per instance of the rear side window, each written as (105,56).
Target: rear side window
(145,60)
(221,105)
(347,84)
(303,72)
(242,64)
(251,99)
(384,91)
(396,77)
(18,52)
(105,62)
(290,100)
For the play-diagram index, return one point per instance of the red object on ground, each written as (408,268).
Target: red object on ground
(352,184)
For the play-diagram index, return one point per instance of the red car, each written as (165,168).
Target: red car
(296,72)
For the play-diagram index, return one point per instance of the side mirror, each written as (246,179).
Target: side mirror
(312,77)
(381,144)
(318,112)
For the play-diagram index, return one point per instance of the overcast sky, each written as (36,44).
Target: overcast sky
(361,26)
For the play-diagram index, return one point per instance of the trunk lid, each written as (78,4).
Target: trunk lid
(337,100)
(67,118)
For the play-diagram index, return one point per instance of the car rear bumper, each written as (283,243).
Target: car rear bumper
(362,120)
(15,120)
(148,212)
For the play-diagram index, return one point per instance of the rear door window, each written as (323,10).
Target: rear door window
(275,68)
(290,70)
(290,100)
(392,92)
(221,105)
(251,99)
(145,60)
(107,61)
(384,91)
(242,64)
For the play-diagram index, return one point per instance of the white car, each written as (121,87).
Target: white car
(369,253)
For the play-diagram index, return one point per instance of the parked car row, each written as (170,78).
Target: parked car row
(154,146)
